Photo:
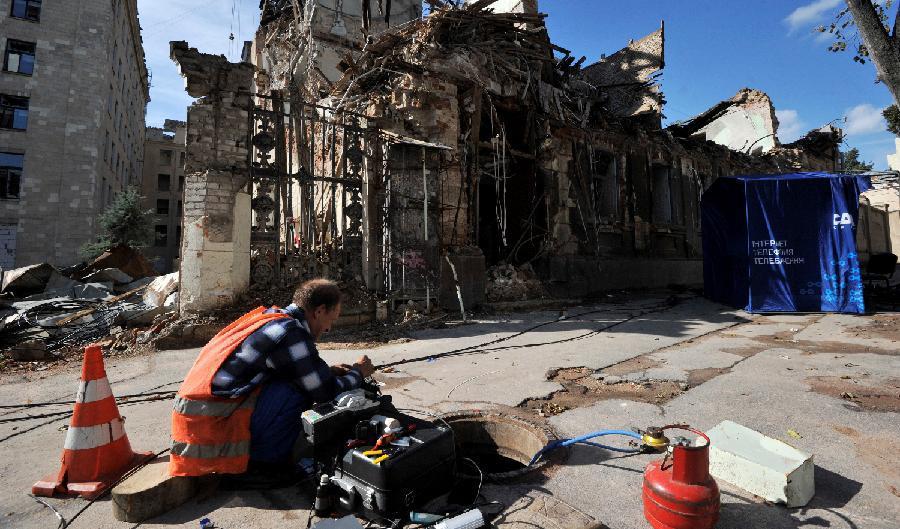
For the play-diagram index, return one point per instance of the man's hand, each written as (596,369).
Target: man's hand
(340,369)
(364,366)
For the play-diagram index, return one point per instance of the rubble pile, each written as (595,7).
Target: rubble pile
(509,283)
(114,299)
(468,43)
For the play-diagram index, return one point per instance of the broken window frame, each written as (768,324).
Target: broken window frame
(166,157)
(160,235)
(13,112)
(26,10)
(661,183)
(21,50)
(11,165)
(605,186)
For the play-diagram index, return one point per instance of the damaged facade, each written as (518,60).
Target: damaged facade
(467,140)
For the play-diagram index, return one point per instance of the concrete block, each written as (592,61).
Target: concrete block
(151,492)
(761,465)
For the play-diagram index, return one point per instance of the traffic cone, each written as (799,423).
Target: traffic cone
(97,451)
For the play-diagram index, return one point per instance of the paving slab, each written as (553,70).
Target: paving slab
(765,382)
(855,483)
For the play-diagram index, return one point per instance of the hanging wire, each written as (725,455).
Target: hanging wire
(231,42)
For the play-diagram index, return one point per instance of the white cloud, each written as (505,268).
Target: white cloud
(864,119)
(790,126)
(809,14)
(205,25)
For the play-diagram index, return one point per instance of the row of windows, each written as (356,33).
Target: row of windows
(11,177)
(26,10)
(123,168)
(121,125)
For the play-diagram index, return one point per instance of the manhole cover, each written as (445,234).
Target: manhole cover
(501,445)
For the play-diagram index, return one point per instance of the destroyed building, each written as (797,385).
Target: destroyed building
(456,143)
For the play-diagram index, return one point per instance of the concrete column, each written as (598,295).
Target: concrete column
(215,263)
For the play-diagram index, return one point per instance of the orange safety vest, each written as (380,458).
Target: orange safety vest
(212,434)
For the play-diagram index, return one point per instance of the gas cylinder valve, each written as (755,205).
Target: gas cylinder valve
(653,439)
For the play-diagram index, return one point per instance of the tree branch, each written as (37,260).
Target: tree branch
(882,48)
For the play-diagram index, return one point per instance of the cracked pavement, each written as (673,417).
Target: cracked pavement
(834,379)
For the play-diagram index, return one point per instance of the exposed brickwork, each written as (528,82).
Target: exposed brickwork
(215,246)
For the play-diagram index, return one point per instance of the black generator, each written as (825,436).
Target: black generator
(375,459)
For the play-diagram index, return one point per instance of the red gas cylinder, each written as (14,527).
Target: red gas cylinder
(679,493)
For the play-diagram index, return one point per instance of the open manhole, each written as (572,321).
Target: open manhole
(501,445)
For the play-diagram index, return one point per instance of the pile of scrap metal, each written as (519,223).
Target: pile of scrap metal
(43,309)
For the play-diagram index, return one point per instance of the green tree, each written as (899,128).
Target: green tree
(853,164)
(122,223)
(892,116)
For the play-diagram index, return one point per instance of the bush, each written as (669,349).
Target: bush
(122,223)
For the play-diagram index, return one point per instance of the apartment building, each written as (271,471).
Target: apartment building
(162,189)
(73,97)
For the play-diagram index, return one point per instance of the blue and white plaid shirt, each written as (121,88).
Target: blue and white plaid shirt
(282,349)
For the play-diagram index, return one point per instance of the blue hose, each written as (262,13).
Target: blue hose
(584,439)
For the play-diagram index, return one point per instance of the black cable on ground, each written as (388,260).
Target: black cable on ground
(70,402)
(114,485)
(65,414)
(671,302)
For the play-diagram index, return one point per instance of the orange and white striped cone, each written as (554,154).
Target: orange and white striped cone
(97,451)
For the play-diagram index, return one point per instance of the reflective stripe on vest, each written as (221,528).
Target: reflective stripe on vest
(240,448)
(87,437)
(211,434)
(210,408)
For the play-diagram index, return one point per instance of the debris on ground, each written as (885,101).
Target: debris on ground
(29,351)
(26,280)
(506,282)
(123,258)
(581,389)
(47,313)
(860,395)
(157,292)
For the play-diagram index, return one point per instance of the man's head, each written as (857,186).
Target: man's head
(320,299)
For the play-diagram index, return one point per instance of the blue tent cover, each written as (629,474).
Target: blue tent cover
(783,243)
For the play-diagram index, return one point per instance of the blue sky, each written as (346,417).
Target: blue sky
(713,49)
